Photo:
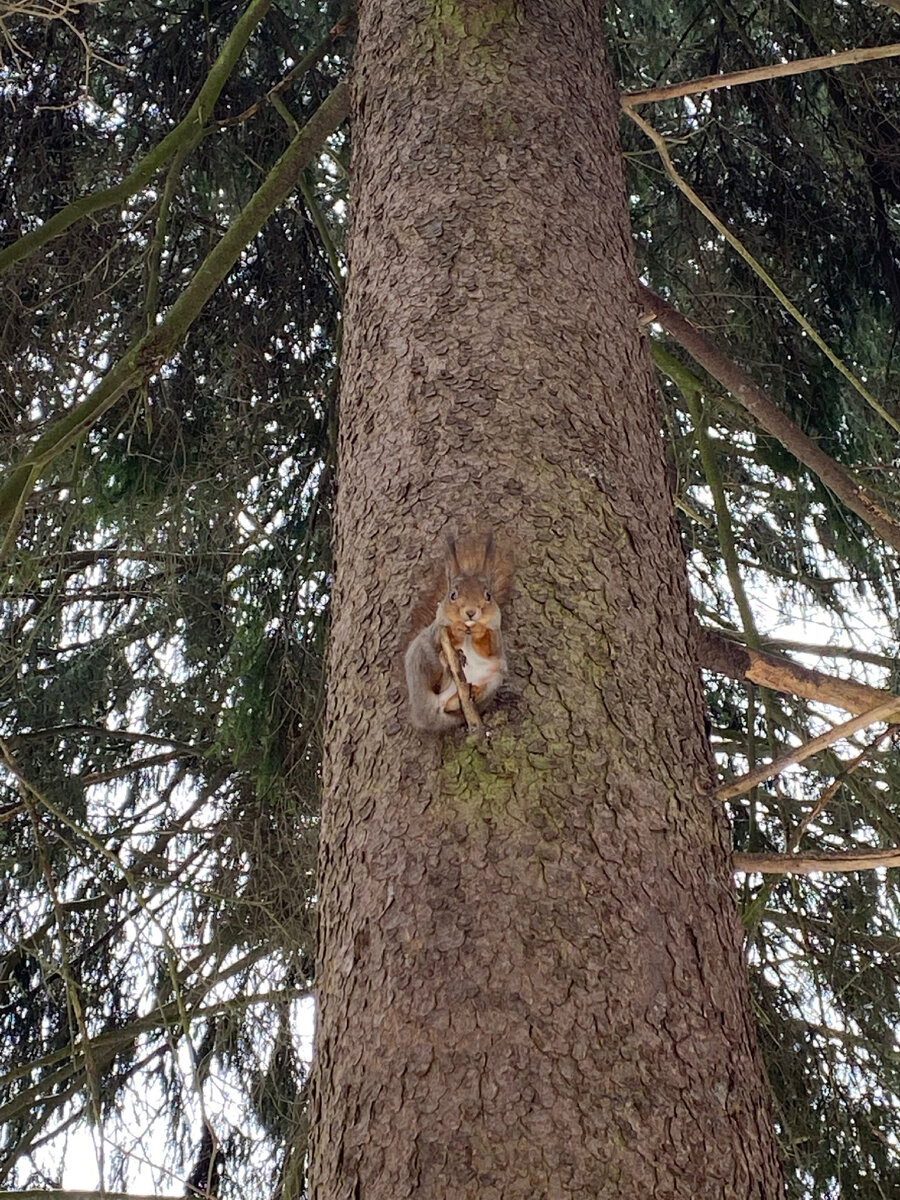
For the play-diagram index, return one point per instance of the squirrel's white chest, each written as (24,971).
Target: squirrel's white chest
(477,668)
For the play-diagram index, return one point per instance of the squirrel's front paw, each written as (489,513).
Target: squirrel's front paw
(458,633)
(452,705)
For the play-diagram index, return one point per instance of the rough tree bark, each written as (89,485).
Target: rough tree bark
(531,982)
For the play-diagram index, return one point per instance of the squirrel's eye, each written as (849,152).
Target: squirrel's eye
(453,595)
(487,594)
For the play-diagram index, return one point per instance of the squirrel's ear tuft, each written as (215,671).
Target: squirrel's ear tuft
(489,552)
(453,568)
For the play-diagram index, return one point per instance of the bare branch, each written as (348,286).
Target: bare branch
(770,417)
(800,66)
(890,708)
(811,861)
(730,658)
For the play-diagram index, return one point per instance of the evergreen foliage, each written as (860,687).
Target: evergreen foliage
(165,595)
(169,581)
(804,171)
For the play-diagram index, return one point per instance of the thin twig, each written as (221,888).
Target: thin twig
(831,791)
(463,689)
(302,67)
(800,66)
(756,909)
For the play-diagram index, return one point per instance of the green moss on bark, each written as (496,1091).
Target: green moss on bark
(469,33)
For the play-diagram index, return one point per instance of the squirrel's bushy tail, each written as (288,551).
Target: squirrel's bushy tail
(427,684)
(428,714)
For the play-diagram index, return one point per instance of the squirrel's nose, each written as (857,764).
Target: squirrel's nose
(470,613)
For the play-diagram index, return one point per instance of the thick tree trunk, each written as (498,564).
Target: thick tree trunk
(531,982)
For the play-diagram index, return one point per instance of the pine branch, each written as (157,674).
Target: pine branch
(190,749)
(166,1016)
(183,138)
(308,193)
(50,1105)
(759,270)
(687,385)
(126,872)
(175,1015)
(157,345)
(770,417)
(691,389)
(92,1065)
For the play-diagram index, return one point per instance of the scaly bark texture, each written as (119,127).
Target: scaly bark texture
(531,982)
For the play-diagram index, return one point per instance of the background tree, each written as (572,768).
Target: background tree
(170,577)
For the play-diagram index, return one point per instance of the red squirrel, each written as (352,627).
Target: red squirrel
(470,611)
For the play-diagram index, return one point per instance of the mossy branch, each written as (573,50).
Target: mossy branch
(687,384)
(183,138)
(308,192)
(157,243)
(159,343)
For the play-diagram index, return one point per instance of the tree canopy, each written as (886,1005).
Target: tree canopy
(170,408)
